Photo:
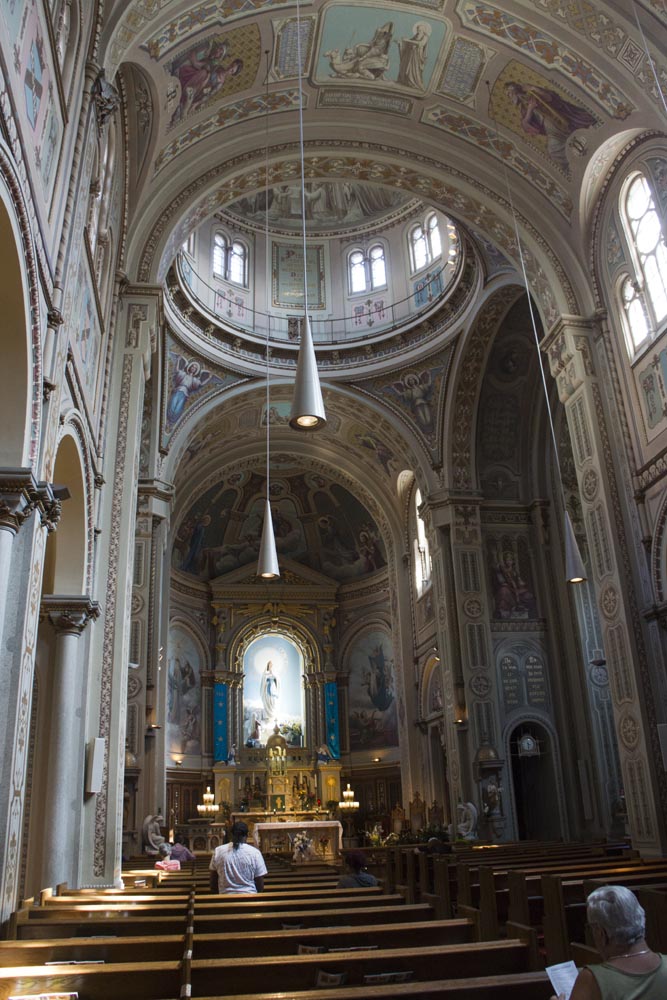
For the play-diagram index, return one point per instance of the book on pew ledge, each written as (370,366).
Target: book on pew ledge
(76,961)
(562,977)
(45,996)
(383,978)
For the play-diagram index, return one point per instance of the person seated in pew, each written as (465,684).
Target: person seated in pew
(357,877)
(630,969)
(237,868)
(179,852)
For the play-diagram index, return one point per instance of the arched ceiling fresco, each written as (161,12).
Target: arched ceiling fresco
(539,86)
(316,522)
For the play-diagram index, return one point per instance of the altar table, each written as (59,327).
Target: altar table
(278,836)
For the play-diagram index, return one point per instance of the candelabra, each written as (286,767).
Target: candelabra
(348,807)
(208,809)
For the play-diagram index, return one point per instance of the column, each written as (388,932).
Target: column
(69,617)
(613,534)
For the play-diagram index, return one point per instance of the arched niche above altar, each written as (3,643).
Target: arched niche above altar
(273,692)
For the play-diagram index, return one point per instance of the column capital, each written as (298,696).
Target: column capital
(21,495)
(69,615)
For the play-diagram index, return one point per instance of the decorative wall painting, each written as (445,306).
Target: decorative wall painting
(372,703)
(184,665)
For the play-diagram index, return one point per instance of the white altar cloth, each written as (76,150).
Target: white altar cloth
(265,833)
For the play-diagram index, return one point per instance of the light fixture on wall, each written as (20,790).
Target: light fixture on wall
(307,404)
(267,563)
(575,571)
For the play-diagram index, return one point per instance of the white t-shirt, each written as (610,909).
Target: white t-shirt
(237,870)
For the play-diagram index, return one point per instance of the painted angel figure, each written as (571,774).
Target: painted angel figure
(416,391)
(188,377)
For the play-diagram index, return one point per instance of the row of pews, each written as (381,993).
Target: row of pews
(444,923)
(538,895)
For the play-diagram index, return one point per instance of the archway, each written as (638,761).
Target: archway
(15,372)
(66,549)
(534,782)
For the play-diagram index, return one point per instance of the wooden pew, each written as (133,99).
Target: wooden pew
(235,975)
(346,899)
(21,927)
(654,901)
(565,904)
(521,986)
(360,916)
(143,981)
(261,943)
(159,948)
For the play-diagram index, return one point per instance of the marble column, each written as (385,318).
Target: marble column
(69,617)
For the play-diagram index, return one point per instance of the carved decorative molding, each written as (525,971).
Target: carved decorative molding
(21,495)
(69,614)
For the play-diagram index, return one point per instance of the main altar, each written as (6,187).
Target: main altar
(280,790)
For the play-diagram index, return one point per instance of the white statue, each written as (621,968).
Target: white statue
(151,833)
(466,820)
(268,690)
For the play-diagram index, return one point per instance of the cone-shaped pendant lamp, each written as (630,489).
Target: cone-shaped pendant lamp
(267,563)
(574,564)
(307,404)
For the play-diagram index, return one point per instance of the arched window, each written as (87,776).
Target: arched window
(366,270)
(378,266)
(356,272)
(422,553)
(219,255)
(237,271)
(418,248)
(425,242)
(644,294)
(434,241)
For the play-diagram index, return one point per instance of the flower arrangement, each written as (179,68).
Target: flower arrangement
(303,847)
(377,838)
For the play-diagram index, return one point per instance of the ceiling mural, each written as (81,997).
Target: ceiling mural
(188,380)
(358,43)
(288,43)
(545,49)
(220,65)
(317,523)
(529,105)
(329,205)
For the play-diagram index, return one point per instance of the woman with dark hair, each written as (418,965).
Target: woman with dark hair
(237,868)
(357,877)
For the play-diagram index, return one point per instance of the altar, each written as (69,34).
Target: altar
(326,835)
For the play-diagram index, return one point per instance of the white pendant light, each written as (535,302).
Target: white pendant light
(267,563)
(307,412)
(574,565)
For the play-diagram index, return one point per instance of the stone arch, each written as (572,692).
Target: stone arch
(21,373)
(476,204)
(66,564)
(659,554)
(461,413)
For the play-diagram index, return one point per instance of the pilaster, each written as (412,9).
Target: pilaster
(571,351)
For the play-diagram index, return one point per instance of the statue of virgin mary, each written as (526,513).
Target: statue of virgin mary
(268,690)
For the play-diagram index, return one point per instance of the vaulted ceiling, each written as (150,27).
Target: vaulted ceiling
(431,97)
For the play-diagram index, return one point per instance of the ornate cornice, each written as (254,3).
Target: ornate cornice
(21,495)
(69,615)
